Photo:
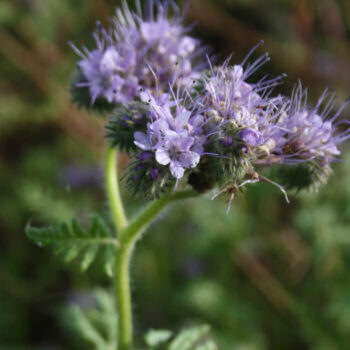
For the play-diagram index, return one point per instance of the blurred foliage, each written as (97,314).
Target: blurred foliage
(267,276)
(91,324)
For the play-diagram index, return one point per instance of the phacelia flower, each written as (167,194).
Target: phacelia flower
(106,69)
(174,134)
(311,133)
(242,112)
(176,117)
(229,94)
(137,48)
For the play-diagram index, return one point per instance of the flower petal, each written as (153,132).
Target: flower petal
(162,156)
(189,159)
(176,170)
(141,140)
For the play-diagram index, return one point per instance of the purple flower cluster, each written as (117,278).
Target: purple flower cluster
(211,126)
(174,134)
(240,108)
(137,48)
(311,134)
(282,130)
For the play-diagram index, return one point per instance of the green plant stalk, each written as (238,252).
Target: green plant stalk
(112,188)
(123,298)
(128,234)
(128,238)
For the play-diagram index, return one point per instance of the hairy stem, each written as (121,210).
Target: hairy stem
(134,230)
(128,235)
(113,193)
(128,238)
(123,297)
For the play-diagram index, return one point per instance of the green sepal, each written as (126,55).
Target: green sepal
(82,98)
(304,176)
(125,120)
(219,171)
(140,183)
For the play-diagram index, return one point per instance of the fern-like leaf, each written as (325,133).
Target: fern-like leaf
(96,326)
(194,338)
(73,242)
(191,339)
(156,337)
(208,345)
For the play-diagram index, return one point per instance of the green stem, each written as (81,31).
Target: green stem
(113,193)
(128,235)
(134,230)
(123,296)
(128,238)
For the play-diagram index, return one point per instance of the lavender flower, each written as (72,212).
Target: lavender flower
(173,116)
(231,96)
(106,69)
(311,133)
(136,49)
(174,135)
(239,108)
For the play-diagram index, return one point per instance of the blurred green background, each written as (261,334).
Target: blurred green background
(267,276)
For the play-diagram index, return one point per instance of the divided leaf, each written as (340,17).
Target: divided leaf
(194,338)
(95,325)
(190,339)
(74,242)
(154,338)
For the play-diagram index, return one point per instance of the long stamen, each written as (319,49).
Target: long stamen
(262,178)
(261,42)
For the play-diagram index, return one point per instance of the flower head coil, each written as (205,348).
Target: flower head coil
(212,128)
(137,46)
(311,133)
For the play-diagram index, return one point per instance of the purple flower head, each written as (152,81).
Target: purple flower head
(106,69)
(309,132)
(147,64)
(139,47)
(271,134)
(233,99)
(230,97)
(235,107)
(174,134)
(162,43)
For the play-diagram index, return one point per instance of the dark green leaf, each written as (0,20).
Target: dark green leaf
(73,242)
